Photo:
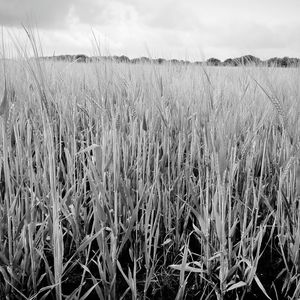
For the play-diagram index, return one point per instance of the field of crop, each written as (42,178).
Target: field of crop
(122,181)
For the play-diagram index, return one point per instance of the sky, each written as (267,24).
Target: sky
(182,29)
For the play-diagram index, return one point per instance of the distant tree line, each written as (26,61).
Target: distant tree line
(243,60)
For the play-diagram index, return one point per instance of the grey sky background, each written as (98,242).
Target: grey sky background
(187,29)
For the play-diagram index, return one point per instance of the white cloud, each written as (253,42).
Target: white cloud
(166,27)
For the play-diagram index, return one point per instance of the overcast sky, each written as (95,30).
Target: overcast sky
(188,29)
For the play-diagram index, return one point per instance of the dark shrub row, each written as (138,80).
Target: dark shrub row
(243,60)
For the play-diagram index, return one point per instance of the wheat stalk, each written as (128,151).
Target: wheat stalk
(118,122)
(4,107)
(276,103)
(9,122)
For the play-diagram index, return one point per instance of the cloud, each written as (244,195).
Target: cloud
(46,13)
(165,27)
(249,36)
(179,17)
(258,39)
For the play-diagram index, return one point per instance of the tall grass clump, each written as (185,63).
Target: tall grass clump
(122,181)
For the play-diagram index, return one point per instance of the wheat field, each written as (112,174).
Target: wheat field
(122,181)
